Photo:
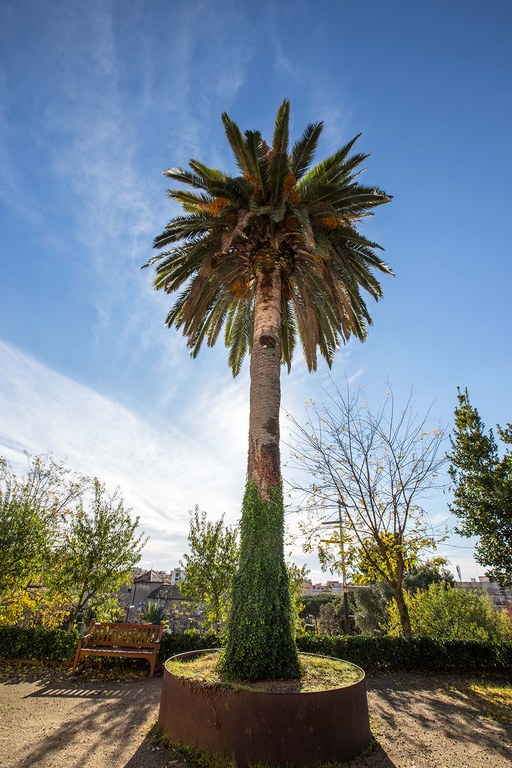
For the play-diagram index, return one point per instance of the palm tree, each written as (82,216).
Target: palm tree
(270,254)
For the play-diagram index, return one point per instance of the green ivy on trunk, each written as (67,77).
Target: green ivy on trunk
(261,643)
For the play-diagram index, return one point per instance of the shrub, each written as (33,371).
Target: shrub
(37,643)
(155,614)
(377,653)
(189,640)
(450,613)
(420,653)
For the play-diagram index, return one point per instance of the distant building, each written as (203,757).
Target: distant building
(331,588)
(151,586)
(501,598)
(177,575)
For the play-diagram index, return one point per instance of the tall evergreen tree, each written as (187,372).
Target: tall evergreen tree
(270,254)
(482,489)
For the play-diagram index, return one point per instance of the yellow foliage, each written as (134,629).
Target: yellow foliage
(328,222)
(15,607)
(216,206)
(34,607)
(239,288)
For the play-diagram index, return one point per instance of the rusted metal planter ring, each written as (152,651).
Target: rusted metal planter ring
(297,728)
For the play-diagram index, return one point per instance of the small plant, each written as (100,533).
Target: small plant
(154,614)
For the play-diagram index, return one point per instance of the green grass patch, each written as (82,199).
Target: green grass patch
(494,700)
(491,698)
(317,674)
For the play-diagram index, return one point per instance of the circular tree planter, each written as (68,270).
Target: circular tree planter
(253,726)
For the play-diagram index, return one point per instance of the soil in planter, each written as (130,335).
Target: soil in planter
(317,674)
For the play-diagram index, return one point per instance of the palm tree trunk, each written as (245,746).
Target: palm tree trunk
(264,464)
(260,637)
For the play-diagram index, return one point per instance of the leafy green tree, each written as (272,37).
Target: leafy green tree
(32,508)
(269,254)
(296,578)
(378,466)
(452,613)
(382,556)
(313,604)
(432,571)
(331,619)
(98,549)
(209,567)
(25,536)
(482,489)
(370,606)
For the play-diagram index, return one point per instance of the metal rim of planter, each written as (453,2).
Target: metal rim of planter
(301,653)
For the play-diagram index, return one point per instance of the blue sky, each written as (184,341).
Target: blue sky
(97,98)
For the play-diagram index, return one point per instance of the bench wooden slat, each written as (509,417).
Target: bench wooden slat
(114,639)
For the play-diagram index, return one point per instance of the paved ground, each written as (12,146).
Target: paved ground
(56,721)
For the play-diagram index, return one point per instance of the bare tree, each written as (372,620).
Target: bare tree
(379,466)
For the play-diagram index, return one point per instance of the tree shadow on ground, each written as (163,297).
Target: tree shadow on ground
(107,722)
(438,705)
(105,729)
(81,690)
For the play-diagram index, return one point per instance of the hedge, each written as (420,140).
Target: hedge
(417,653)
(189,640)
(37,643)
(371,653)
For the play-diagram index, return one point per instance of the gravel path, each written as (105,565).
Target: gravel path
(62,722)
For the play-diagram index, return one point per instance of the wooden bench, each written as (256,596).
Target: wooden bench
(133,641)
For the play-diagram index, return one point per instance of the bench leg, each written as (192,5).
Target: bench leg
(76,661)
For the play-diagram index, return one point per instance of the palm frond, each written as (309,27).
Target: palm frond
(237,190)
(185,177)
(238,332)
(281,134)
(288,333)
(333,161)
(278,172)
(257,160)
(218,316)
(209,174)
(182,263)
(189,199)
(304,150)
(236,141)
(184,227)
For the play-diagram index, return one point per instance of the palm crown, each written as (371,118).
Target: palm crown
(278,213)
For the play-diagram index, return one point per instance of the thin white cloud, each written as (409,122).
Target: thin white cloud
(161,470)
